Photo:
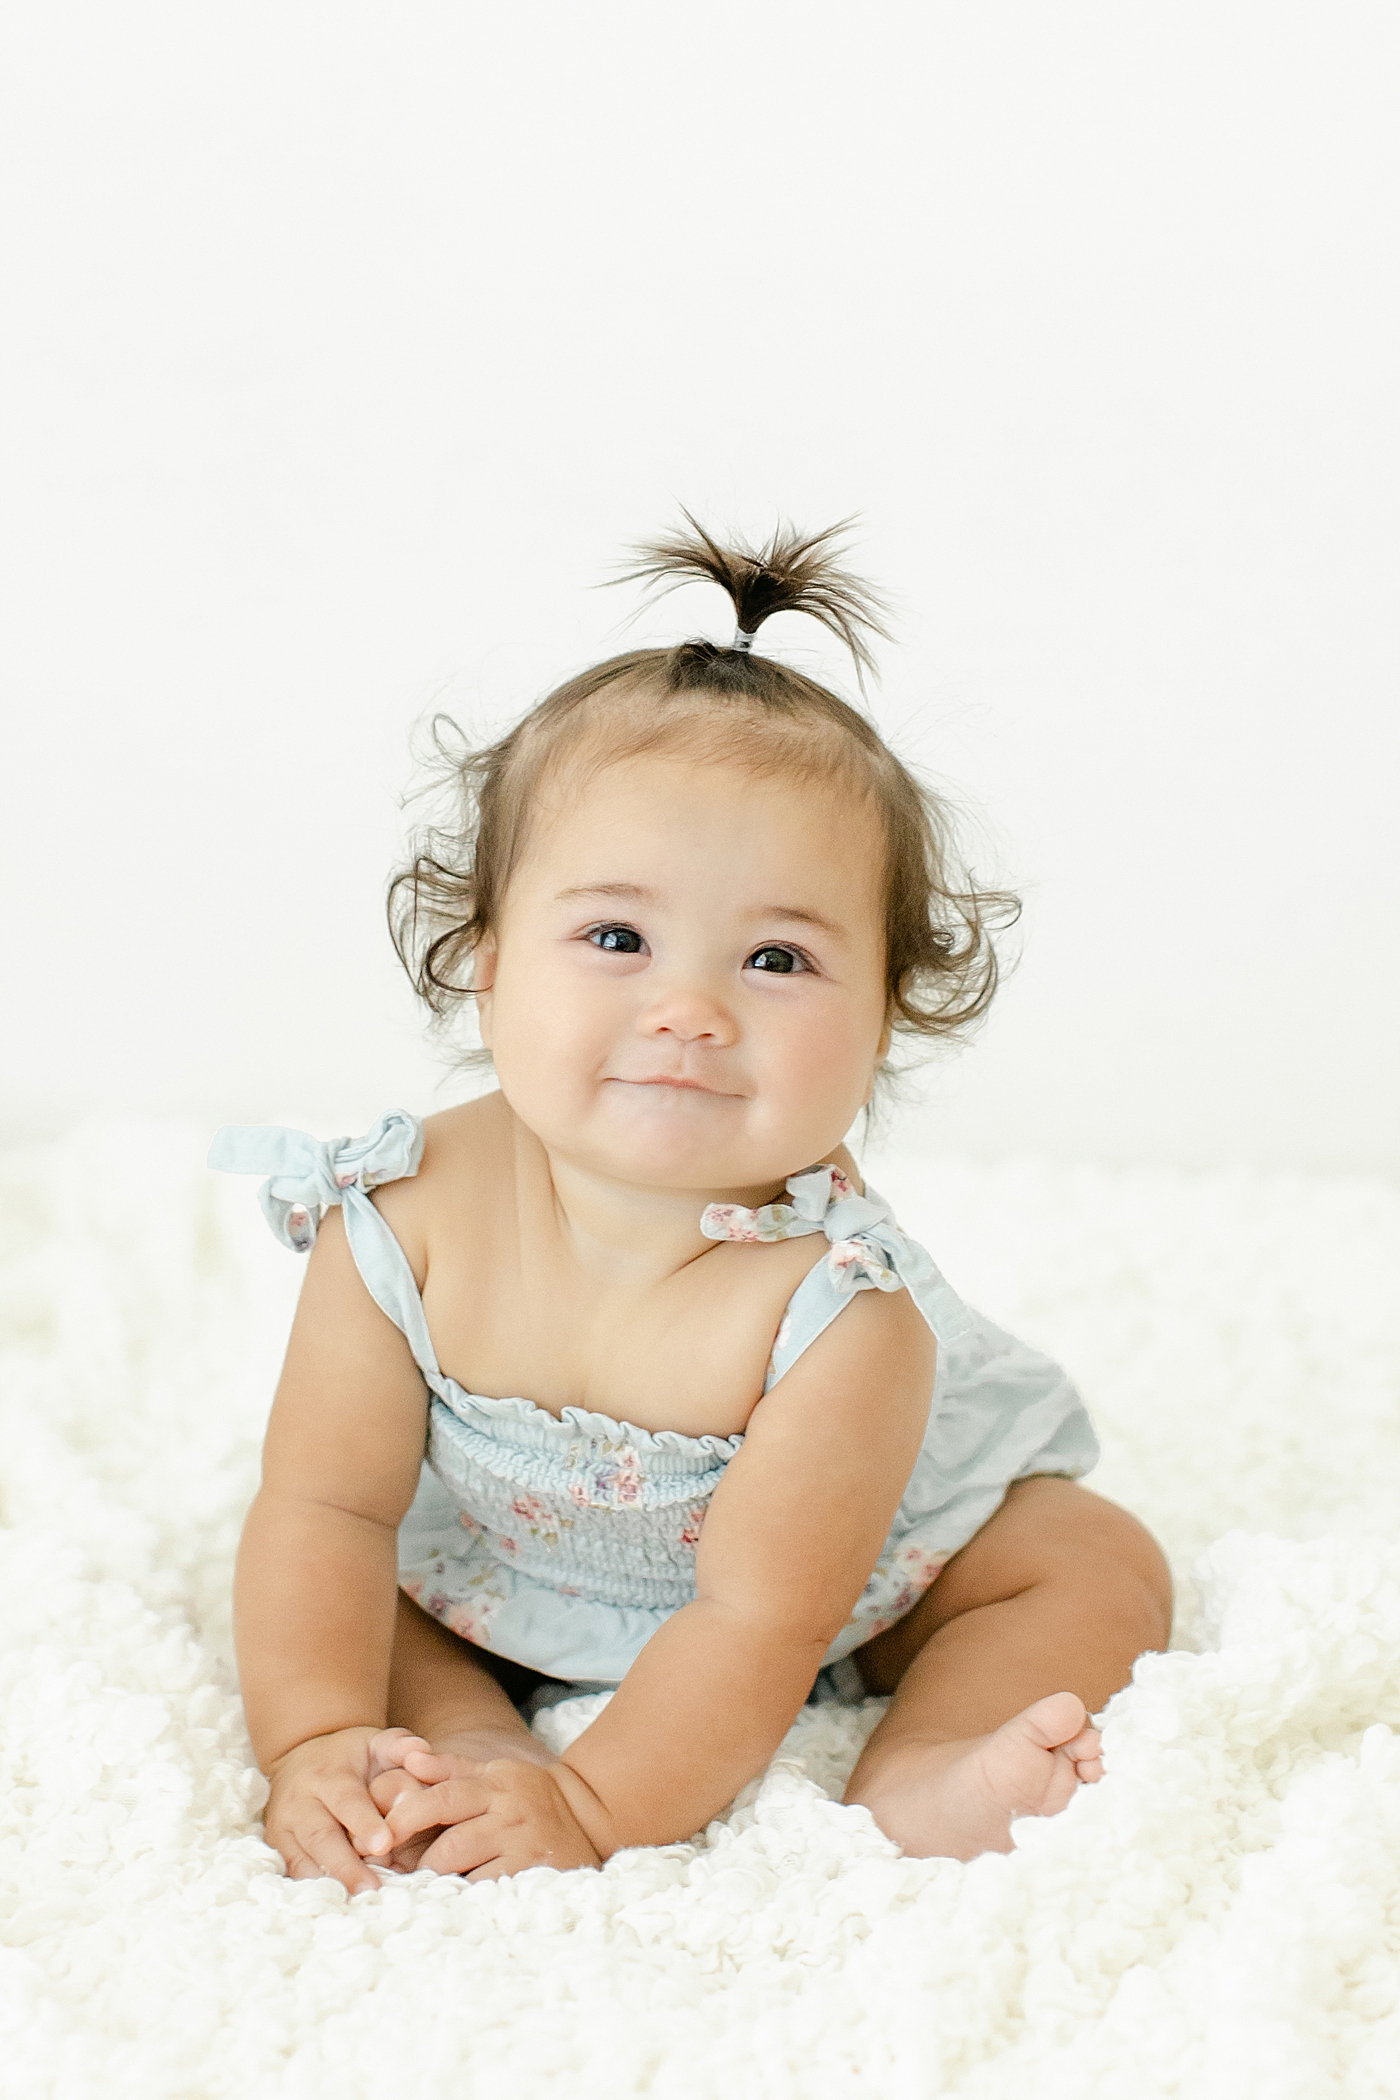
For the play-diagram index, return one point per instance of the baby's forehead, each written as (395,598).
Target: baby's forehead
(738,773)
(671,804)
(730,859)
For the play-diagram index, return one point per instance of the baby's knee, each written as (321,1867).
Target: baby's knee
(1124,1564)
(1081,1540)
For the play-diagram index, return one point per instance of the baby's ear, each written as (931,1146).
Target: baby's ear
(882,1051)
(483,978)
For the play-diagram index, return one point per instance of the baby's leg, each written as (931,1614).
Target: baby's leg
(1028,1630)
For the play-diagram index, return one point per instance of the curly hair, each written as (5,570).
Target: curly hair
(721,704)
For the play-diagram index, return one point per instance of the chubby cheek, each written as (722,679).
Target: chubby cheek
(820,1073)
(548,1035)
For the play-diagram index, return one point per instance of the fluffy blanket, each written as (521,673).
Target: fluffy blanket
(1221,1916)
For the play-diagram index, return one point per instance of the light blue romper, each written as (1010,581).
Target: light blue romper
(564,1541)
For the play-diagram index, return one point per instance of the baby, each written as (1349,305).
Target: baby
(701,1423)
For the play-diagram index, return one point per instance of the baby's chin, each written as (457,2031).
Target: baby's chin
(677,1137)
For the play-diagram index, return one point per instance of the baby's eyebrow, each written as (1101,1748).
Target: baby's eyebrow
(799,917)
(634,893)
(630,890)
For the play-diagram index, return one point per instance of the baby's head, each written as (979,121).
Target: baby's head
(695,897)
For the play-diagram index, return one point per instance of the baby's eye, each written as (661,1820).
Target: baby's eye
(782,961)
(617,940)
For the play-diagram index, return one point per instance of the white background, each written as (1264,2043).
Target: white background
(355,342)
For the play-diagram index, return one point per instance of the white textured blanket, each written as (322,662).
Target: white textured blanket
(1220,1917)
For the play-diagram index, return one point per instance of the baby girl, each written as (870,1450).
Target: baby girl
(702,1425)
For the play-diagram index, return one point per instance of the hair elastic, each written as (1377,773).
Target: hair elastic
(743,641)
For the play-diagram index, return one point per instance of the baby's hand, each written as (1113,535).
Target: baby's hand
(478,1818)
(321,1815)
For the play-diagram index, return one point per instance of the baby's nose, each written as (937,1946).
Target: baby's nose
(692,1015)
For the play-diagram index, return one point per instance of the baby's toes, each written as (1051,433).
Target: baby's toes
(1086,1750)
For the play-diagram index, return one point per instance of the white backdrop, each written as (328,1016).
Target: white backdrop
(355,341)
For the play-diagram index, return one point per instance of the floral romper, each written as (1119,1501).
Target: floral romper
(564,1541)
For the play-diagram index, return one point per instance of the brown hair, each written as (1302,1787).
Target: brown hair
(725,704)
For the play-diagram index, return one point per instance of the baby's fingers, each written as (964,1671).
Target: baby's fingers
(474,1848)
(392,1786)
(350,1803)
(425,1764)
(385,1751)
(321,1848)
(454,1801)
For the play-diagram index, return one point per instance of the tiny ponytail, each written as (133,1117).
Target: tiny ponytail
(790,574)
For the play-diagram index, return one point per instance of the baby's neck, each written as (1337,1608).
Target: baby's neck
(629,1228)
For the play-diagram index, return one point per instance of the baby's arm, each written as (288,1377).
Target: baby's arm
(315,1591)
(793,1530)
(792,1533)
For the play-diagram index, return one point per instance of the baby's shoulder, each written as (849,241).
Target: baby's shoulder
(464,1179)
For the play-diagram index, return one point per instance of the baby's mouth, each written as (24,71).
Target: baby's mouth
(684,1086)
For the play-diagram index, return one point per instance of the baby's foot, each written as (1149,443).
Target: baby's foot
(954,1800)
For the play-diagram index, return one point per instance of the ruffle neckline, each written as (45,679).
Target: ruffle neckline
(574,1423)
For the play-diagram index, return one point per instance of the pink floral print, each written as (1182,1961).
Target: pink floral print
(470,1617)
(918,1569)
(897,1581)
(611,1481)
(731,1221)
(690,1531)
(863,1254)
(544,1521)
(778,1221)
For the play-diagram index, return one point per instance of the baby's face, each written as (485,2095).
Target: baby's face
(686,988)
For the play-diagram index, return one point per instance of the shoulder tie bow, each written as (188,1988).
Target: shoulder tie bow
(309,1174)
